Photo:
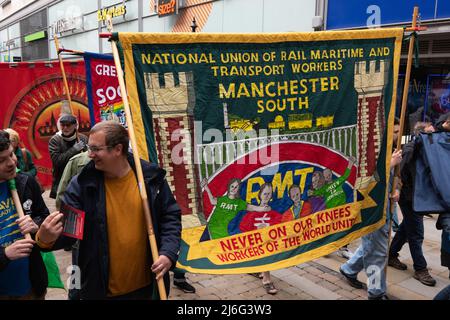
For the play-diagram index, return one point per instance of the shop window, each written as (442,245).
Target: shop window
(34,48)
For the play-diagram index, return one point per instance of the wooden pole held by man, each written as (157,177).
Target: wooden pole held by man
(63,72)
(402,121)
(140,175)
(17,203)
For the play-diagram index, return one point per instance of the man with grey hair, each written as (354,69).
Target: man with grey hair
(66,143)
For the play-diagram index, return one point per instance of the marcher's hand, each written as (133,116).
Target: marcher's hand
(51,228)
(396,158)
(266,209)
(27,225)
(19,249)
(309,193)
(161,266)
(396,196)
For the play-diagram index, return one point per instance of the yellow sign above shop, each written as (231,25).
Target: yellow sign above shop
(115,11)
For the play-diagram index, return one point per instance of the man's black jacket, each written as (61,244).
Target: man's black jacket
(408,172)
(86,192)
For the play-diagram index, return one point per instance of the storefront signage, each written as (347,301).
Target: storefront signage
(115,11)
(7,58)
(167,7)
(36,36)
(375,13)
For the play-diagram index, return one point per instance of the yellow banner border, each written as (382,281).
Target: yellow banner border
(127,39)
(296,260)
(135,106)
(391,117)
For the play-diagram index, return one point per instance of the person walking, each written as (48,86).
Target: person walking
(411,229)
(372,253)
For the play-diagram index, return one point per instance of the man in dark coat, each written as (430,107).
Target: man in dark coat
(66,143)
(114,255)
(411,229)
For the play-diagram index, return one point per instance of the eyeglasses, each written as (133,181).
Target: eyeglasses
(95,149)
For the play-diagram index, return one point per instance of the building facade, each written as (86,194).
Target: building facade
(429,91)
(27,28)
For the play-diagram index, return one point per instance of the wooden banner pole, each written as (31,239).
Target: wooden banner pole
(17,203)
(402,122)
(61,64)
(74,52)
(140,175)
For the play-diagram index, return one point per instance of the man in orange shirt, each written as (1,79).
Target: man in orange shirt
(114,255)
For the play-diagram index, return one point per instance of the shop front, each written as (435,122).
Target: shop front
(429,88)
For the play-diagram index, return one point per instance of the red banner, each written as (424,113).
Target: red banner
(30,103)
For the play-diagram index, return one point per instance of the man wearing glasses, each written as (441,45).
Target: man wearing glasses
(114,255)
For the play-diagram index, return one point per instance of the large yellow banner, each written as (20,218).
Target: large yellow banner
(276,146)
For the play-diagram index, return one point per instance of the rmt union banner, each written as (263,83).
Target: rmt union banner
(276,146)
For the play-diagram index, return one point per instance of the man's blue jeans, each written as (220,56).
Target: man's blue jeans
(395,223)
(411,230)
(371,256)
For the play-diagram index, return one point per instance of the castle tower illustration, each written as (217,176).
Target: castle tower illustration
(172,101)
(369,84)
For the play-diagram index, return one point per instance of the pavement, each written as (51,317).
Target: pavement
(315,280)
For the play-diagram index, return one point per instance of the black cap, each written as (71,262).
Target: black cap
(68,118)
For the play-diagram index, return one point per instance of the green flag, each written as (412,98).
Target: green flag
(54,278)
